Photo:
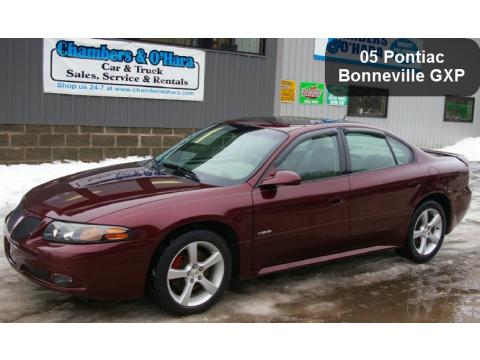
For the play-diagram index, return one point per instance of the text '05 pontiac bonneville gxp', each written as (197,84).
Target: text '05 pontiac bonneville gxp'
(242,198)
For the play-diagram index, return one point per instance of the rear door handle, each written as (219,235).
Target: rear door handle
(336,200)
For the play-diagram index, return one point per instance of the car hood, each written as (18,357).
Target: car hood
(87,195)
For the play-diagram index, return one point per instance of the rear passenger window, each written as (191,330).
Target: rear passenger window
(402,152)
(368,152)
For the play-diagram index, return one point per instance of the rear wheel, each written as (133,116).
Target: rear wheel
(426,232)
(192,272)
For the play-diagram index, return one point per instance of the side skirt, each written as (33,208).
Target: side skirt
(321,259)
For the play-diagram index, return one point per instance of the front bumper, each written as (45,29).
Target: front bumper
(107,271)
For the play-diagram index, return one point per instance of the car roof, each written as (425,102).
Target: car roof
(291,123)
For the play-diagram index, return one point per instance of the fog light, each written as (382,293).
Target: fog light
(61,280)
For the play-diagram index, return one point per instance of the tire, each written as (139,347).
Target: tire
(185,283)
(423,242)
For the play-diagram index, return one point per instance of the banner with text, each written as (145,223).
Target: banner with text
(347,50)
(122,69)
(403,67)
(311,93)
(337,95)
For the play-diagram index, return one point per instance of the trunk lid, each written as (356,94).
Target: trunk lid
(441,153)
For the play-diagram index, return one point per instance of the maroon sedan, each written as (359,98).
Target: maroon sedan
(243,198)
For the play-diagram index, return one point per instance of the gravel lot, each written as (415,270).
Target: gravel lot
(375,288)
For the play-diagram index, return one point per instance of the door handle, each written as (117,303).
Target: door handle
(336,200)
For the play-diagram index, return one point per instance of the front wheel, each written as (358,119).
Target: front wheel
(426,232)
(193,272)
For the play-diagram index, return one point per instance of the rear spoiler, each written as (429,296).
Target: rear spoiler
(445,153)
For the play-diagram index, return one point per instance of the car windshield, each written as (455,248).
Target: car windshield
(221,155)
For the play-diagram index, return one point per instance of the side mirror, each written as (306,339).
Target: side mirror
(282,178)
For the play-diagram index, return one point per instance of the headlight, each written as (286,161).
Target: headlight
(82,233)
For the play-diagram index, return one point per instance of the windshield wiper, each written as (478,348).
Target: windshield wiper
(182,170)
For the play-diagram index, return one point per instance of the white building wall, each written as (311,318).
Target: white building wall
(417,119)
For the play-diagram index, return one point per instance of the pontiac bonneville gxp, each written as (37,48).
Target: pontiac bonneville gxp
(242,198)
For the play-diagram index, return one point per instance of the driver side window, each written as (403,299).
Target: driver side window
(314,158)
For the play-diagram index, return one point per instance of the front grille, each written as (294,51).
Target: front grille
(24,228)
(13,218)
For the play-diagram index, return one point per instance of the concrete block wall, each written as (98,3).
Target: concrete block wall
(34,144)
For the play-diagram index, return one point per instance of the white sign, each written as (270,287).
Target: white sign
(122,69)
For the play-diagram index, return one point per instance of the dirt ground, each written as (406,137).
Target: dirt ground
(375,288)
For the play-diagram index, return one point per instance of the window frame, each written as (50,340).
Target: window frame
(412,160)
(313,134)
(458,97)
(261,53)
(377,133)
(384,116)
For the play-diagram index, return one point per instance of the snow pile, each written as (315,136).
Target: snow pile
(16,180)
(469,147)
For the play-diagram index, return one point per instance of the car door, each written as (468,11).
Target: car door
(384,180)
(295,222)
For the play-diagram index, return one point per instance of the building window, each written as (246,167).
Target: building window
(459,109)
(367,102)
(240,45)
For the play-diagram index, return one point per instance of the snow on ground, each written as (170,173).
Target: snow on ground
(16,180)
(469,147)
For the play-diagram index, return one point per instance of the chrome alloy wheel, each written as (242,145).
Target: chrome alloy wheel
(427,231)
(195,273)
